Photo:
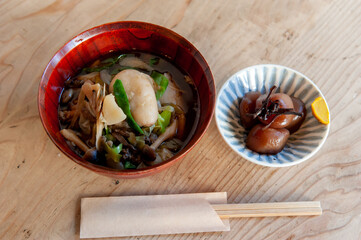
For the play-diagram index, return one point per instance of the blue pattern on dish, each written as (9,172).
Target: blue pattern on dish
(301,145)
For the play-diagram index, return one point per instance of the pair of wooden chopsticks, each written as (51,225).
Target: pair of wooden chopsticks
(309,208)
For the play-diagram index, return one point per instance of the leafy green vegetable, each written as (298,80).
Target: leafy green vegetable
(118,148)
(114,60)
(162,83)
(148,130)
(140,142)
(129,165)
(168,108)
(164,120)
(132,139)
(106,63)
(154,61)
(108,134)
(113,153)
(122,101)
(139,138)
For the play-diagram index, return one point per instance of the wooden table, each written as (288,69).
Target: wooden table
(40,188)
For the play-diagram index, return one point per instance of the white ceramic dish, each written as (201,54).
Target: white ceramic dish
(301,145)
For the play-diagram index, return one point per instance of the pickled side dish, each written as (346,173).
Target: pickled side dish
(271,118)
(128,111)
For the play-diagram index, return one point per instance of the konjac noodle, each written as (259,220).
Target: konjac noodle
(128,111)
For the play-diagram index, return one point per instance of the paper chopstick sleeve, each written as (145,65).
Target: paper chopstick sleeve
(149,215)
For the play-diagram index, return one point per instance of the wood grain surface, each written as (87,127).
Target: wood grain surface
(40,189)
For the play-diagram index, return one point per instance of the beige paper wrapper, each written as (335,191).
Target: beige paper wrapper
(151,215)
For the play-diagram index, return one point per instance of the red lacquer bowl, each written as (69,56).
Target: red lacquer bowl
(123,36)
